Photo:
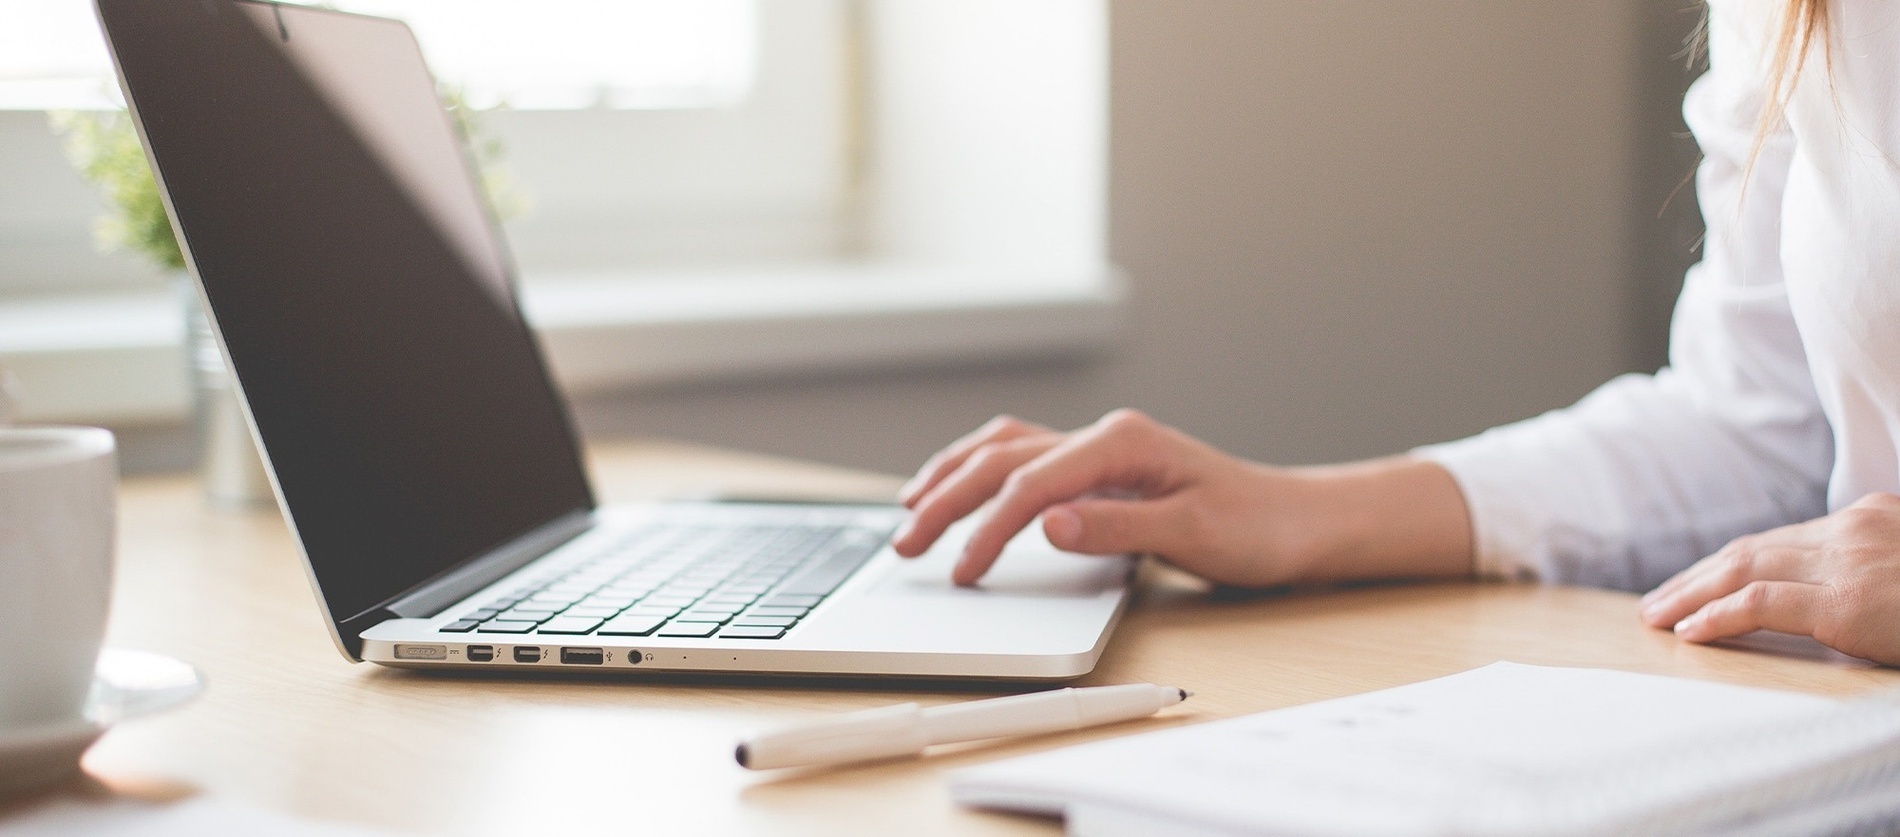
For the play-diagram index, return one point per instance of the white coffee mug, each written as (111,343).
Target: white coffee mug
(58,502)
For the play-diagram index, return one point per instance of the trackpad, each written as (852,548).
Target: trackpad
(1030,567)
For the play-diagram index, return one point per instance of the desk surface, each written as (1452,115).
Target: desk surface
(288,724)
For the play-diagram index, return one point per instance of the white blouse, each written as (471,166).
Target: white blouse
(1781,400)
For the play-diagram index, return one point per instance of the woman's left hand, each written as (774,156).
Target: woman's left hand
(1835,578)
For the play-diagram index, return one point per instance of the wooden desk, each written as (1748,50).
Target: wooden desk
(288,724)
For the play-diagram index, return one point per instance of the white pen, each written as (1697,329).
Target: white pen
(907,728)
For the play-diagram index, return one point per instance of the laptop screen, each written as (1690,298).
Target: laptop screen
(358,282)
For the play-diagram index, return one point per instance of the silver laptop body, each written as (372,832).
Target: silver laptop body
(417,447)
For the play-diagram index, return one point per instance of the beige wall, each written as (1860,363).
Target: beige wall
(1351,227)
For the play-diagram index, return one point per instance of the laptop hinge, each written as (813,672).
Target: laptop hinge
(462,582)
(432,596)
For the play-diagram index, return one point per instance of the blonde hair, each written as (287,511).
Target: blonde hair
(1802,22)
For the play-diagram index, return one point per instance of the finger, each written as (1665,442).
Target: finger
(1122,450)
(1786,606)
(1799,535)
(965,490)
(1112,527)
(1726,572)
(946,461)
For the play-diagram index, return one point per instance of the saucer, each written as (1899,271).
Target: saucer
(125,685)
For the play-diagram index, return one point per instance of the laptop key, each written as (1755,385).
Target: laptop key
(615,602)
(826,576)
(570,625)
(792,600)
(505,626)
(551,602)
(689,629)
(711,606)
(461,627)
(665,601)
(631,625)
(757,581)
(649,580)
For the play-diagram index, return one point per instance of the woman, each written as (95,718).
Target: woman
(1753,478)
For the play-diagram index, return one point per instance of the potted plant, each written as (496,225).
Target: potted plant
(105,149)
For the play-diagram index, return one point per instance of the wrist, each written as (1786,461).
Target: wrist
(1399,517)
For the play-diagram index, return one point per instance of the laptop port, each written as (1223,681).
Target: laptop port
(527,653)
(582,657)
(481,653)
(634,656)
(422,652)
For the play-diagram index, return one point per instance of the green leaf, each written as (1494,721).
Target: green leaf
(104,147)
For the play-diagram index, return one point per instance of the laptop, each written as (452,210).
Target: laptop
(416,443)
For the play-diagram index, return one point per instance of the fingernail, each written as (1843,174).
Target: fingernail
(964,561)
(1686,625)
(956,572)
(1063,526)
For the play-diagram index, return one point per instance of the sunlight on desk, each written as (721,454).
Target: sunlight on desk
(288,725)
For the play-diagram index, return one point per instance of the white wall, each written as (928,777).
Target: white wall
(1351,227)
(986,132)
(46,219)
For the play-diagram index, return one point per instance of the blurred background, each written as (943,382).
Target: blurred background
(851,230)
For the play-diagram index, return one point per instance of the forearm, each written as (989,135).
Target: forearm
(1128,484)
(1398,517)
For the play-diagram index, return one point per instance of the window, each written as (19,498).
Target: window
(51,57)
(775,185)
(649,125)
(611,53)
(640,54)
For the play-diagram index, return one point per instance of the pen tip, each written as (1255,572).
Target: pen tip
(743,756)
(1185,694)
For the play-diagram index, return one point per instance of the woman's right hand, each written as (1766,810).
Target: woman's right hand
(1130,484)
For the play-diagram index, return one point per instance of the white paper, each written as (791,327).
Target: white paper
(1431,757)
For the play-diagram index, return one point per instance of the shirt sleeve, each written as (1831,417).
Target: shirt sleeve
(1651,472)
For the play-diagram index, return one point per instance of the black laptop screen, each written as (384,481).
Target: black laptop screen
(358,282)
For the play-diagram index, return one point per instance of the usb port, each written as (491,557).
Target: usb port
(527,653)
(582,656)
(481,653)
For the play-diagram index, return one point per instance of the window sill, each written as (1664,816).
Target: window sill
(119,360)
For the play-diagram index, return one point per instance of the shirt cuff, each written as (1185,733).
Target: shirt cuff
(1504,528)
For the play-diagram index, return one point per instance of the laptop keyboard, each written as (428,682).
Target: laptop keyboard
(688,580)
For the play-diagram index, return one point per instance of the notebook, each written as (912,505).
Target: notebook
(1506,749)
(413,434)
